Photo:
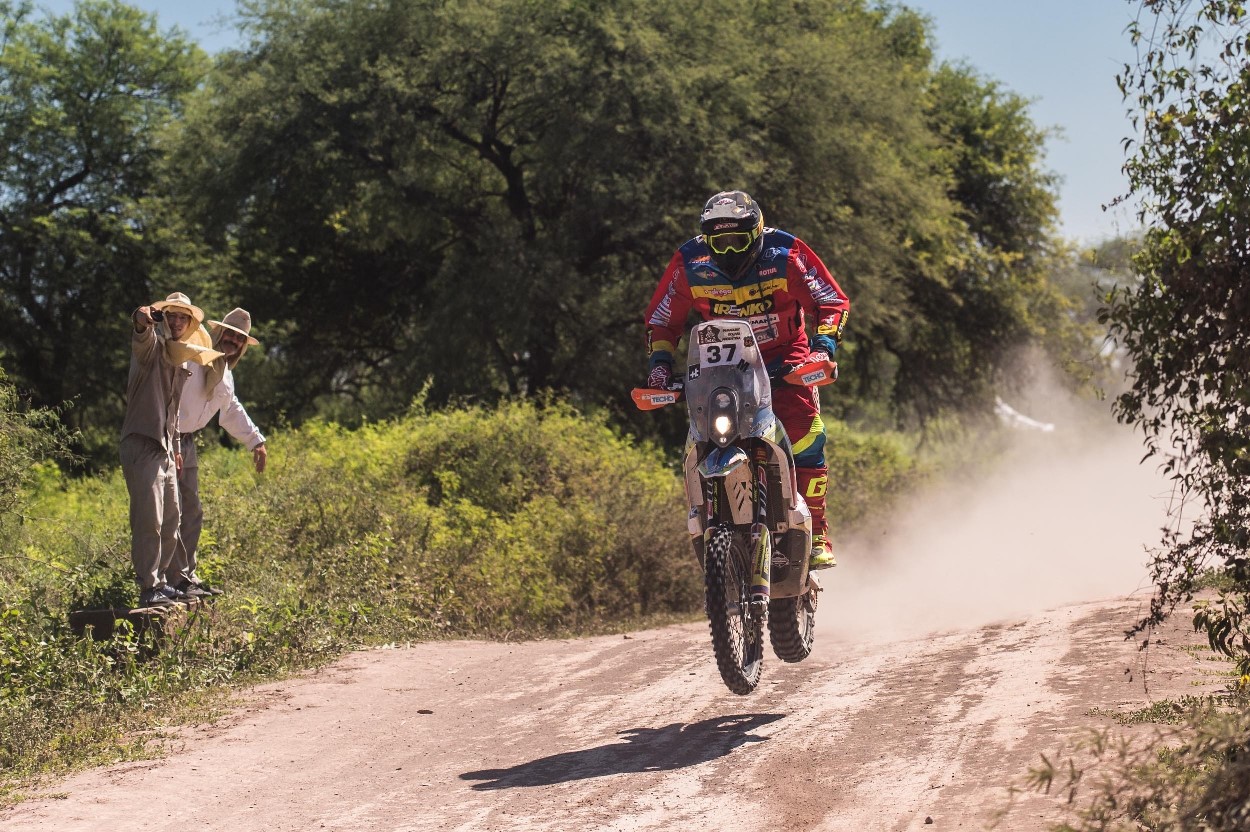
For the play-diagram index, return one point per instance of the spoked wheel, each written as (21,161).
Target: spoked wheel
(737,634)
(792,626)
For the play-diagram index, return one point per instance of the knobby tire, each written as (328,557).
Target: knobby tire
(792,626)
(737,640)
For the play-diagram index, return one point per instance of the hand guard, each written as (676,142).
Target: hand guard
(661,377)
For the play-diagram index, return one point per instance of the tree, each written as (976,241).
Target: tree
(1186,323)
(484,192)
(83,101)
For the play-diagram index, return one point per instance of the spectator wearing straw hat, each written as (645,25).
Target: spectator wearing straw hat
(210,392)
(165,337)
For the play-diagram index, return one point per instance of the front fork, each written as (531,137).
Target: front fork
(761,537)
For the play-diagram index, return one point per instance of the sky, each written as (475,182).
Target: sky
(1062,55)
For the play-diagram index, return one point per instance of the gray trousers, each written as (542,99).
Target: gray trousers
(192,509)
(152,482)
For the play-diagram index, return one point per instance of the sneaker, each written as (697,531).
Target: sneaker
(172,594)
(211,590)
(822,554)
(190,589)
(154,597)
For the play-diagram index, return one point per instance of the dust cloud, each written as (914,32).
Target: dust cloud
(1062,517)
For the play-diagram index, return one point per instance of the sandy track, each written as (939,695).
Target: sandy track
(880,729)
(638,733)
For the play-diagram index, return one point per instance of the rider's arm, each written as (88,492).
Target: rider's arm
(820,295)
(667,312)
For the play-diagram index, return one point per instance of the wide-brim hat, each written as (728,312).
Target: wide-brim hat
(237,320)
(180,351)
(179,301)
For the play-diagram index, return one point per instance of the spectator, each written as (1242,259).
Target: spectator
(163,340)
(210,392)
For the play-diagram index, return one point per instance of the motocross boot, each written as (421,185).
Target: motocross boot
(822,553)
(813,482)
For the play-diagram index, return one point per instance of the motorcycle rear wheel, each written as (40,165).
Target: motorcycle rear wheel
(737,635)
(792,626)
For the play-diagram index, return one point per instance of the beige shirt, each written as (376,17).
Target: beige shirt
(153,391)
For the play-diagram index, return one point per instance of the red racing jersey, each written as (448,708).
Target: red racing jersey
(786,285)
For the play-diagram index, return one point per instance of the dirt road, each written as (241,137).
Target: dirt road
(638,733)
(949,656)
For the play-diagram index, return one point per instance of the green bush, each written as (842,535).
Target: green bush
(525,519)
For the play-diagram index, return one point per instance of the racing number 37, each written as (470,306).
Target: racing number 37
(718,353)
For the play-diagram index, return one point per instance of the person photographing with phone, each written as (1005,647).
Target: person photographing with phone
(165,336)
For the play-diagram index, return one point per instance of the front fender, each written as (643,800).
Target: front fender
(722,461)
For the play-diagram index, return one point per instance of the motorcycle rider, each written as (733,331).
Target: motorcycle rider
(737,268)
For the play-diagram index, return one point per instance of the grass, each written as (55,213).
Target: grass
(528,520)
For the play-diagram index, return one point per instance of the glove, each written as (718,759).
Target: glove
(825,344)
(661,377)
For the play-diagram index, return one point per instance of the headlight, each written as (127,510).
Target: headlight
(724,417)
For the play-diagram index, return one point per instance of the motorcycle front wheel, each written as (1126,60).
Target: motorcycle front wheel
(737,634)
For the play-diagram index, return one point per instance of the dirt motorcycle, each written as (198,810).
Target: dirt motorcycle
(749,525)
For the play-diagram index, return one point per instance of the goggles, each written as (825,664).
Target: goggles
(731,242)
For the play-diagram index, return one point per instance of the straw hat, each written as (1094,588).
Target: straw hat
(180,351)
(180,302)
(238,320)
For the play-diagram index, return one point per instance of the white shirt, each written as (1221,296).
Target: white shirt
(199,406)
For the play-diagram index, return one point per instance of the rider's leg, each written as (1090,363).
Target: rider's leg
(798,408)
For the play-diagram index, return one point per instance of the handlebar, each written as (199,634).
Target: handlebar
(812,374)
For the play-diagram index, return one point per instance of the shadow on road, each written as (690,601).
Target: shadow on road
(646,749)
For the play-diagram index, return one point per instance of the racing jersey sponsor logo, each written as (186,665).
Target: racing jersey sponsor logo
(822,292)
(663,314)
(832,324)
(765,327)
(768,271)
(742,310)
(739,294)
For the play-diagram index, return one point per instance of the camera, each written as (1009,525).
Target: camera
(158,315)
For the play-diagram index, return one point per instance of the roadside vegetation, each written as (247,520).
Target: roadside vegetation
(1183,325)
(522,520)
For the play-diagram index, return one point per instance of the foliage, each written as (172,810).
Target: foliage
(527,519)
(523,169)
(1184,324)
(1192,777)
(84,98)
(27,436)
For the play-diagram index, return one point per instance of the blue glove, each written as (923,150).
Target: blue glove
(825,344)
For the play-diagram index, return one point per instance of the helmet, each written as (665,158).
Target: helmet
(733,228)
